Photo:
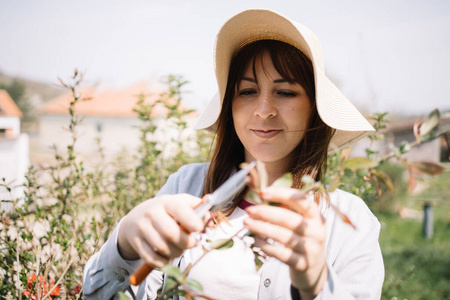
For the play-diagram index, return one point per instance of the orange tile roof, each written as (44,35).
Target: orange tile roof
(7,106)
(113,103)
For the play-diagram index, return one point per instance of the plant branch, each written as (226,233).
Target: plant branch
(59,279)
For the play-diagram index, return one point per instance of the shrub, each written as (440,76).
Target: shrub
(68,212)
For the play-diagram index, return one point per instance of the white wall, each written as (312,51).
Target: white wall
(14,163)
(7,122)
(116,133)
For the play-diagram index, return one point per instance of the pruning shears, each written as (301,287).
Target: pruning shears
(210,202)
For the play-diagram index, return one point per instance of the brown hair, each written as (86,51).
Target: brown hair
(309,157)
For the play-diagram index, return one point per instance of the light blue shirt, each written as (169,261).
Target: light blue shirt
(354,259)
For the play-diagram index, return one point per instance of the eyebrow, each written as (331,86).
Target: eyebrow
(254,81)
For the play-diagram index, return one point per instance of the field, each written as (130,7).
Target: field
(416,268)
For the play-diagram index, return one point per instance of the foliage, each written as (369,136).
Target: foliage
(364,176)
(68,212)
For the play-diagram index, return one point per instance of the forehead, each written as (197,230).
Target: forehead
(262,64)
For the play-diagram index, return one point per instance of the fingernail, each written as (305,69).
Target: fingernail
(250,209)
(198,226)
(192,242)
(266,192)
(299,195)
(248,221)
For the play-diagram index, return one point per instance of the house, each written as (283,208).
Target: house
(402,131)
(14,150)
(107,117)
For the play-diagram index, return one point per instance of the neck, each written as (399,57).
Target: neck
(275,170)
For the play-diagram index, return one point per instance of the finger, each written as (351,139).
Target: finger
(294,198)
(279,216)
(283,254)
(170,231)
(284,236)
(156,241)
(182,211)
(150,255)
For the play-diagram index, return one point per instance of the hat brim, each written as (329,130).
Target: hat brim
(257,24)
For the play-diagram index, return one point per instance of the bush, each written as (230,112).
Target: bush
(68,212)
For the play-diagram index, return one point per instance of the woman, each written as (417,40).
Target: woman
(275,105)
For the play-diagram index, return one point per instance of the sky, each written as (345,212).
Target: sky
(385,55)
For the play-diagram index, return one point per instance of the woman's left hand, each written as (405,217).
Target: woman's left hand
(299,235)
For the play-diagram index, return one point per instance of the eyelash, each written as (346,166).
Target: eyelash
(287,94)
(281,93)
(246,92)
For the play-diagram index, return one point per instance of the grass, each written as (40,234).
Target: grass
(417,268)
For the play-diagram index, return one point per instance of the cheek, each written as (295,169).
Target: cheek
(238,115)
(298,117)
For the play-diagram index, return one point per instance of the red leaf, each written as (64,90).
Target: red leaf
(416,129)
(342,216)
(378,186)
(412,180)
(31,278)
(56,291)
(384,179)
(428,167)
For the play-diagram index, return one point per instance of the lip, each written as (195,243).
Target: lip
(266,134)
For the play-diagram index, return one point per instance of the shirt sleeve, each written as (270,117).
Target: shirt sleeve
(106,273)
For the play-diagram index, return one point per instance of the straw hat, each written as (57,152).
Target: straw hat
(260,24)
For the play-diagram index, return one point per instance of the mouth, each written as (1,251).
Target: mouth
(266,134)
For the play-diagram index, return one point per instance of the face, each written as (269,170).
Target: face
(270,115)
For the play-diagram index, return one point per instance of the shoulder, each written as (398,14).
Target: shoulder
(350,203)
(188,179)
(195,170)
(357,211)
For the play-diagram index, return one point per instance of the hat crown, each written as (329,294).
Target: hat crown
(260,24)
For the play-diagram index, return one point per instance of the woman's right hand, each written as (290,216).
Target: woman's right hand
(155,230)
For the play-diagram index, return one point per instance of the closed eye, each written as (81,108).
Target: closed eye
(287,94)
(246,92)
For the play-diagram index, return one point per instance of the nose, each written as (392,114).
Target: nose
(265,107)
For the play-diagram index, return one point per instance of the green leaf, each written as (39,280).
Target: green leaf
(221,244)
(252,195)
(430,123)
(308,179)
(174,272)
(194,285)
(170,284)
(404,147)
(122,296)
(284,181)
(258,261)
(358,163)
(175,292)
